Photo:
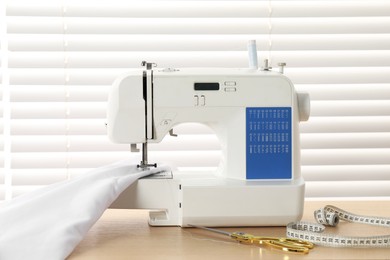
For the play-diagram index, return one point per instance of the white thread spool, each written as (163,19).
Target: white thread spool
(252,52)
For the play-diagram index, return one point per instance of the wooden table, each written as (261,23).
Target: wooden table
(125,234)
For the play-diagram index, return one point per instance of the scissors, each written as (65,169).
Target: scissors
(280,243)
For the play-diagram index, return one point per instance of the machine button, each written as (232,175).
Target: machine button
(230,89)
(230,83)
(202,100)
(196,100)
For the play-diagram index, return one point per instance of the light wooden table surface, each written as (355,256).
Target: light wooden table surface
(125,234)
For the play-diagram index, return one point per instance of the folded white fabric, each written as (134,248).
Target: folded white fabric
(47,224)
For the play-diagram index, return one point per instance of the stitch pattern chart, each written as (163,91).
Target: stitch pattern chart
(268,143)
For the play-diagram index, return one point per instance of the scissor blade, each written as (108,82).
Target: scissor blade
(212,230)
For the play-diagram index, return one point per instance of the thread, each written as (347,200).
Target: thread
(252,52)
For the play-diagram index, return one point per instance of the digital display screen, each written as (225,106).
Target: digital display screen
(205,86)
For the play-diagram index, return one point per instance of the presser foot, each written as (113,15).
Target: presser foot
(143,165)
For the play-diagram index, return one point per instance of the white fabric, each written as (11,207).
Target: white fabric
(50,222)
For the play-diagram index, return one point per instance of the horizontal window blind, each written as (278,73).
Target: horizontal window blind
(62,57)
(3,81)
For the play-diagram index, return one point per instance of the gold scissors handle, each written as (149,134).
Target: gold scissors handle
(281,243)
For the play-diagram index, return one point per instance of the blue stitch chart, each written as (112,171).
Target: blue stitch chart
(268,143)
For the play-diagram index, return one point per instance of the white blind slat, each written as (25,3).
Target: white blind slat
(60,143)
(350,108)
(97,159)
(202,9)
(188,42)
(80,25)
(161,9)
(349,189)
(346,91)
(58,126)
(58,110)
(87,126)
(345,140)
(346,124)
(345,156)
(59,93)
(67,77)
(131,59)
(340,75)
(345,172)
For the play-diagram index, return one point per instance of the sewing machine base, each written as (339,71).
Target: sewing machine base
(205,199)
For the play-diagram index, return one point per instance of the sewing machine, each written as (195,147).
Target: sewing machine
(255,115)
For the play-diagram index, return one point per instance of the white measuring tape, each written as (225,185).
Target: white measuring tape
(330,215)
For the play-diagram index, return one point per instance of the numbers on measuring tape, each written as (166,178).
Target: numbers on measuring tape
(329,216)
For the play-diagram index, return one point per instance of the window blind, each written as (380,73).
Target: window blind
(62,57)
(3,79)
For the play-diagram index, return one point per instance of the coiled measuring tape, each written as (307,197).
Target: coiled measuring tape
(329,216)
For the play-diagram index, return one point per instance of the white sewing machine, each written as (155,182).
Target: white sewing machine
(254,113)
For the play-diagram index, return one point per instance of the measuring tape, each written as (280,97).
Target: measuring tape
(329,216)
